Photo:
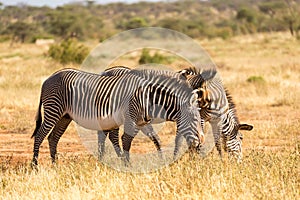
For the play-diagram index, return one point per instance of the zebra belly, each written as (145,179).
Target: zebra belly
(158,121)
(104,123)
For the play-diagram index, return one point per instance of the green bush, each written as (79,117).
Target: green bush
(156,58)
(68,51)
(132,23)
(256,79)
(247,14)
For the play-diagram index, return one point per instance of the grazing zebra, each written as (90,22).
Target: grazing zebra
(217,108)
(147,129)
(231,136)
(102,102)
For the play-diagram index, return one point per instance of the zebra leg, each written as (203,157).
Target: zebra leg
(217,130)
(42,132)
(114,138)
(130,131)
(218,145)
(148,131)
(56,134)
(126,142)
(178,141)
(101,143)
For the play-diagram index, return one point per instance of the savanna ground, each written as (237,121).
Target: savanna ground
(270,102)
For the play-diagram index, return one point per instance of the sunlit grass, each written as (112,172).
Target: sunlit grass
(263,174)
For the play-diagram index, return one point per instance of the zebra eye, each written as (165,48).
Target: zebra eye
(200,94)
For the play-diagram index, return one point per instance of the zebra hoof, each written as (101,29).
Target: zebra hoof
(125,161)
(100,158)
(34,166)
(161,155)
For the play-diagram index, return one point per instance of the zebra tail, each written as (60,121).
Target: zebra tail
(38,120)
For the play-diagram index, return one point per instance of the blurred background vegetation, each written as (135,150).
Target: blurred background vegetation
(198,19)
(86,20)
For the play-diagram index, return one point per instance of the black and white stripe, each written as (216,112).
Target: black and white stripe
(164,99)
(231,136)
(216,105)
(101,102)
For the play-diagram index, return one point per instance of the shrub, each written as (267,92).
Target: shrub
(156,58)
(132,23)
(246,14)
(256,79)
(68,51)
(225,32)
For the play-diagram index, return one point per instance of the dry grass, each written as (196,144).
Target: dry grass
(262,175)
(270,169)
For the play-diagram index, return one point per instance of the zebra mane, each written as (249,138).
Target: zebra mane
(115,71)
(117,67)
(232,106)
(149,73)
(206,74)
(163,79)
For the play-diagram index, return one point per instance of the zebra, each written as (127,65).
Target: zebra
(146,129)
(100,102)
(219,110)
(222,117)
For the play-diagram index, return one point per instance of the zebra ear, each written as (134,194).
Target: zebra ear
(184,73)
(245,127)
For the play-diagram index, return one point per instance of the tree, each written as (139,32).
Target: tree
(271,8)
(292,18)
(246,14)
(60,23)
(76,21)
(19,31)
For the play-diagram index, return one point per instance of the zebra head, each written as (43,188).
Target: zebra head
(234,145)
(231,135)
(200,80)
(216,106)
(192,128)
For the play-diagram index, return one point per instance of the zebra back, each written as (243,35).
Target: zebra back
(115,71)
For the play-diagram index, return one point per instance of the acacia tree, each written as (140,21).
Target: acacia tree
(291,16)
(60,23)
(272,8)
(73,21)
(19,31)
(283,14)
